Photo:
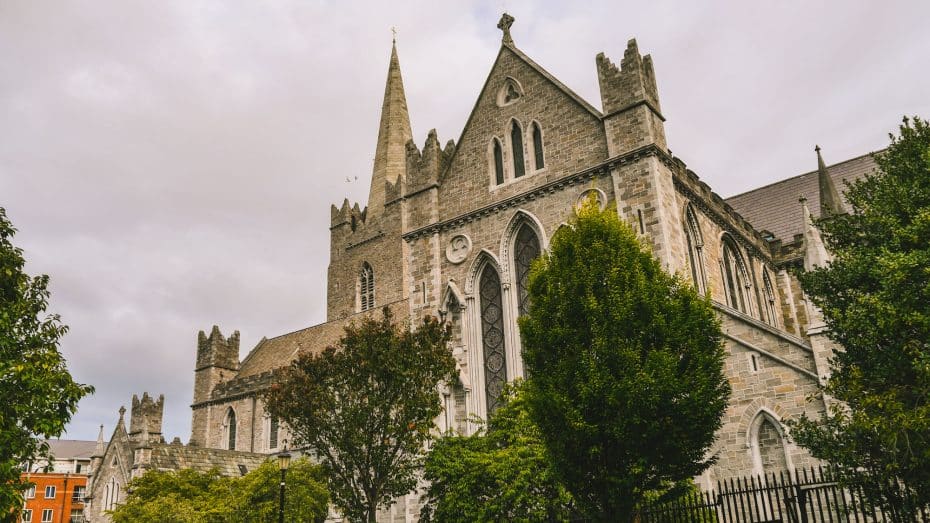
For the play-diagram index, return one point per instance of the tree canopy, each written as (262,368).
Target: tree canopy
(38,394)
(366,408)
(190,496)
(501,474)
(625,363)
(875,300)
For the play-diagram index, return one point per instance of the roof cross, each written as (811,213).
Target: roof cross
(504,25)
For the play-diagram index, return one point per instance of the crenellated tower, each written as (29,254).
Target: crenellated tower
(145,418)
(217,362)
(635,131)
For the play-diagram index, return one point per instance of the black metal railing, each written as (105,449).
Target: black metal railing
(810,495)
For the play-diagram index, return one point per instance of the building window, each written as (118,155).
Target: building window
(31,492)
(112,495)
(27,515)
(769,297)
(77,468)
(50,492)
(492,337)
(498,153)
(231,429)
(516,144)
(695,250)
(272,433)
(77,516)
(366,288)
(538,147)
(78,496)
(735,277)
(767,443)
(525,250)
(46,515)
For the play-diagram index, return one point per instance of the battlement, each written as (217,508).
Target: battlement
(217,351)
(146,415)
(424,168)
(353,216)
(633,83)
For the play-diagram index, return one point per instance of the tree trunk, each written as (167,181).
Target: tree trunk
(372,510)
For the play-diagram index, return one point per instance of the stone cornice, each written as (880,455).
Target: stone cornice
(601,169)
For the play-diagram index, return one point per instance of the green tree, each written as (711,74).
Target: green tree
(626,366)
(366,408)
(38,395)
(190,496)
(501,474)
(875,299)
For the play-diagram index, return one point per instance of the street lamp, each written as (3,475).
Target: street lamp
(284,459)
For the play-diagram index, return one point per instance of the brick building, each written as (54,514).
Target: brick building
(452,228)
(60,484)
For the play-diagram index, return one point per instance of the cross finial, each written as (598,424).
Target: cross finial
(394,32)
(504,25)
(122,411)
(817,148)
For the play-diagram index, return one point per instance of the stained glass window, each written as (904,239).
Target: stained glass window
(492,337)
(526,249)
(537,146)
(516,143)
(231,430)
(366,288)
(498,162)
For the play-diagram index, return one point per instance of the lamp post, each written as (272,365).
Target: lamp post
(284,459)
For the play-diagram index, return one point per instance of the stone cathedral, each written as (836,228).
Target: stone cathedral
(451,230)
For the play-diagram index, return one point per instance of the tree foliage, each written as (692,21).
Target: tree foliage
(501,474)
(366,407)
(626,366)
(38,394)
(190,496)
(875,300)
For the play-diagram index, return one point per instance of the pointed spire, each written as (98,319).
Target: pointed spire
(815,253)
(830,202)
(393,135)
(99,449)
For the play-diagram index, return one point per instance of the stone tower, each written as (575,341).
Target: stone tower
(217,362)
(635,131)
(146,417)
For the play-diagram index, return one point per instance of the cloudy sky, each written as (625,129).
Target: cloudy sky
(171,164)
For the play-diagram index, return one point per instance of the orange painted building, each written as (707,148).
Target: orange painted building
(56,498)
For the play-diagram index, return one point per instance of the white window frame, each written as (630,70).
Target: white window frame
(31,492)
(27,515)
(52,489)
(47,514)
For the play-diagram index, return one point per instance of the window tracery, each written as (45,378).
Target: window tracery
(695,250)
(492,337)
(735,277)
(516,144)
(366,288)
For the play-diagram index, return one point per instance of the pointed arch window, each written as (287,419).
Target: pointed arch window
(769,296)
(767,443)
(231,429)
(525,250)
(695,250)
(366,288)
(273,433)
(492,337)
(516,143)
(735,277)
(498,154)
(539,161)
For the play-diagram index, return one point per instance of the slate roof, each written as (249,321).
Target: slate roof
(775,207)
(175,456)
(66,449)
(277,352)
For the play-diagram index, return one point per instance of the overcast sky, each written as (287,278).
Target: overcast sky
(170,164)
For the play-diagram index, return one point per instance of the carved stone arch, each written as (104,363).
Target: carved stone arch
(497,162)
(694,247)
(770,296)
(515,135)
(520,217)
(230,428)
(483,258)
(450,293)
(759,441)
(536,146)
(735,274)
(510,91)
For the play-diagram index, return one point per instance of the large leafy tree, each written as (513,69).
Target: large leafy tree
(366,408)
(190,496)
(37,395)
(501,474)
(875,299)
(626,366)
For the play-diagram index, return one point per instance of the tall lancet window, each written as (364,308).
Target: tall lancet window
(735,277)
(538,147)
(525,250)
(516,143)
(769,297)
(498,162)
(366,288)
(695,250)
(492,337)
(231,429)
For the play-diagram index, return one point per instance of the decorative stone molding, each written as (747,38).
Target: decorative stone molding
(458,249)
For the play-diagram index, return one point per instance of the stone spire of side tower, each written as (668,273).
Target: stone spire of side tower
(830,202)
(393,135)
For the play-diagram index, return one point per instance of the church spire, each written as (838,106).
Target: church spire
(815,252)
(393,135)
(99,449)
(830,202)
